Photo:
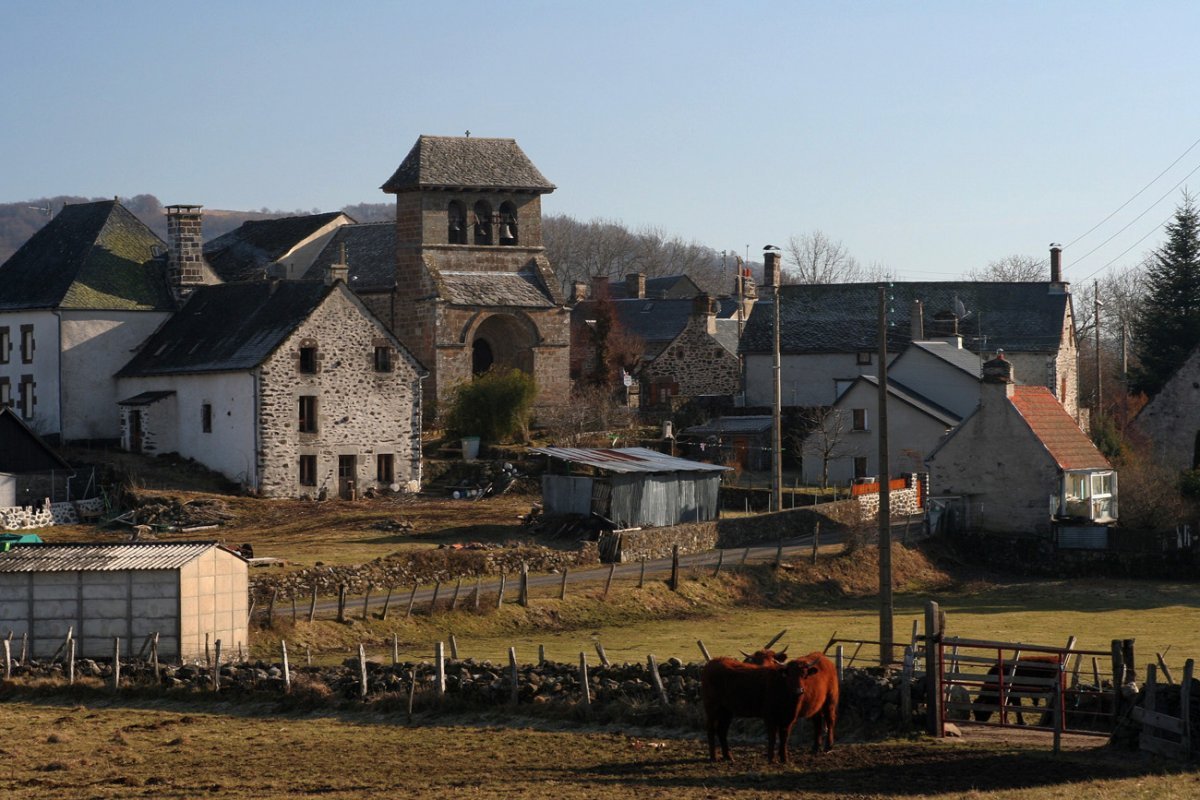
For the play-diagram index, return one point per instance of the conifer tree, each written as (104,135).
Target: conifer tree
(1168,327)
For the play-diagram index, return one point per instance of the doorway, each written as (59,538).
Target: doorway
(346,471)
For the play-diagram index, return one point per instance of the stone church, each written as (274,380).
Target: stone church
(473,287)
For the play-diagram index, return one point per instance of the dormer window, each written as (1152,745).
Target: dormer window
(456,216)
(483,222)
(508,224)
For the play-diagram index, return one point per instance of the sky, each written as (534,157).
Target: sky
(930,138)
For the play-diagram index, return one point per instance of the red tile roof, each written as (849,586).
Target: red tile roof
(1050,422)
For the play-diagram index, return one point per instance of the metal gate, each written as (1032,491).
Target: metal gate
(1036,687)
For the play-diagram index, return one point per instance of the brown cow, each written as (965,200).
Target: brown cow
(820,698)
(732,688)
(1042,667)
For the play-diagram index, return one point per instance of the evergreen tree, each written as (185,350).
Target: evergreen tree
(1168,328)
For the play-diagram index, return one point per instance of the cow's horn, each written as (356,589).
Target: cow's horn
(743,652)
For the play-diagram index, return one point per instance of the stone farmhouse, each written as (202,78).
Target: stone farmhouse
(829,333)
(1021,464)
(701,360)
(75,301)
(292,388)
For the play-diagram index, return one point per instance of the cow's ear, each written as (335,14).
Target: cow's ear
(781,656)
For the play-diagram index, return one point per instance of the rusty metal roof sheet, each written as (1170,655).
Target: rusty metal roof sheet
(86,557)
(626,459)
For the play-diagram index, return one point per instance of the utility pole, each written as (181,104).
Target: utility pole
(776,413)
(1098,305)
(885,506)
(1125,353)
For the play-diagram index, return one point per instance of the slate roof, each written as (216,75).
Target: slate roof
(72,557)
(90,256)
(843,317)
(227,327)
(912,398)
(959,357)
(458,162)
(245,252)
(656,321)
(659,287)
(370,254)
(1069,446)
(733,424)
(520,289)
(146,398)
(22,450)
(727,334)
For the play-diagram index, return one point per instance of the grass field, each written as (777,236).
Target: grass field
(178,751)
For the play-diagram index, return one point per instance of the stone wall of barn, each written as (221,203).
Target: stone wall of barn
(361,414)
(694,363)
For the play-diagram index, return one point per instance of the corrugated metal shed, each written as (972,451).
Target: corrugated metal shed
(626,459)
(101,557)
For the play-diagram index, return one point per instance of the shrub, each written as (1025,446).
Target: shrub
(495,406)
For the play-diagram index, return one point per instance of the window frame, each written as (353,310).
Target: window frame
(859,420)
(27,402)
(385,468)
(307,364)
(864,358)
(28,345)
(206,417)
(383,358)
(307,470)
(307,412)
(5,344)
(6,397)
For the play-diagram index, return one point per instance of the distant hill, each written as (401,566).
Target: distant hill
(20,220)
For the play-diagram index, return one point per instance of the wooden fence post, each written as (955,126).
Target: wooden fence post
(1127,654)
(271,609)
(308,655)
(642,575)
(779,553)
(839,662)
(1118,673)
(541,654)
(412,691)
(933,667)
(515,674)
(745,555)
(652,665)
(601,654)
(523,593)
(906,687)
(816,540)
(216,670)
(1185,702)
(500,593)
(453,647)
(439,658)
(7,660)
(586,690)
(478,588)
(674,585)
(411,599)
(703,650)
(287,671)
(341,603)
(71,663)
(395,649)
(367,600)
(1162,667)
(312,606)
(116,667)
(362,671)
(437,589)
(454,597)
(612,568)
(720,561)
(1056,714)
(24,647)
(387,603)
(294,615)
(562,587)
(207,652)
(153,656)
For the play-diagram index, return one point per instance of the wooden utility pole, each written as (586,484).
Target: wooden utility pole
(776,414)
(1098,306)
(885,506)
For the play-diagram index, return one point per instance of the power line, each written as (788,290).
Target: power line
(1139,192)
(1153,230)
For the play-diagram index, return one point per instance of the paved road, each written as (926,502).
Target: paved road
(657,569)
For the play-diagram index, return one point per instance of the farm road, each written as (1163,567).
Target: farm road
(658,569)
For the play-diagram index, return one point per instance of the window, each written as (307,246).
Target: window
(860,419)
(456,222)
(26,344)
(308,413)
(5,344)
(383,358)
(206,417)
(860,467)
(864,357)
(308,470)
(27,400)
(308,360)
(385,468)
(5,393)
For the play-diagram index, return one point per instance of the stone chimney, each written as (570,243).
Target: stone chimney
(772,269)
(185,254)
(997,378)
(579,291)
(339,271)
(635,285)
(599,287)
(1056,263)
(917,321)
(705,309)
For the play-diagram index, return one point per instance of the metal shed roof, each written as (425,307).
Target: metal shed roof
(86,557)
(626,459)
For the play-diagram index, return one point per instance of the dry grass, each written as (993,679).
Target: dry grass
(177,752)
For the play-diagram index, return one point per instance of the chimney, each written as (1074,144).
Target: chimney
(917,320)
(339,271)
(704,307)
(997,378)
(635,285)
(1056,263)
(579,291)
(772,269)
(599,287)
(185,255)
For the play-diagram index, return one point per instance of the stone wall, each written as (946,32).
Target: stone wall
(361,412)
(16,518)
(696,362)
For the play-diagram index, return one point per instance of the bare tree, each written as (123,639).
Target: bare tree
(825,437)
(816,258)
(1012,269)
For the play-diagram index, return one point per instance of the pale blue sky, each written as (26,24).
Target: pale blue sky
(932,137)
